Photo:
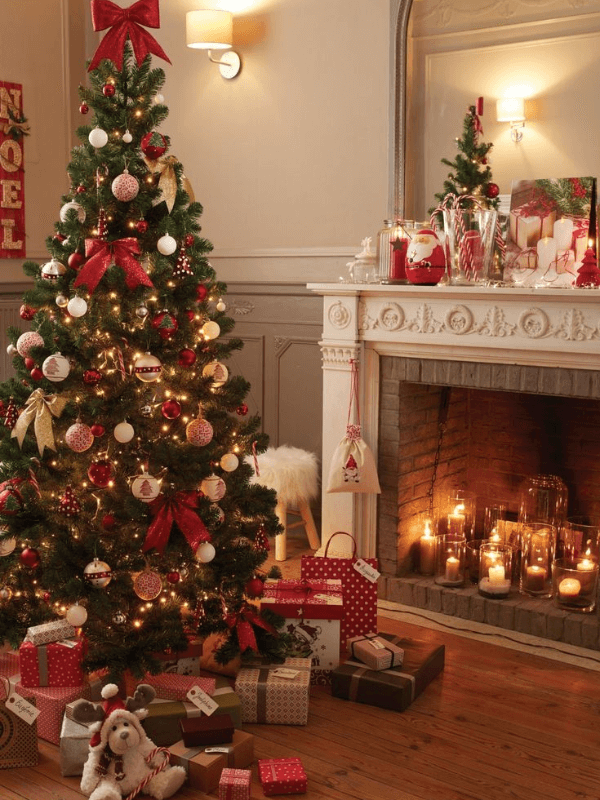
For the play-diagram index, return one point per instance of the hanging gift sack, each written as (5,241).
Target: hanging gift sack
(352,465)
(18,729)
(359,585)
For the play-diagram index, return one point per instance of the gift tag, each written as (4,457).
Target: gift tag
(376,644)
(68,643)
(284,672)
(202,700)
(210,750)
(21,708)
(366,570)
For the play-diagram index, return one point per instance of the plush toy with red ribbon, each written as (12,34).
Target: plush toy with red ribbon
(243,624)
(100,255)
(180,509)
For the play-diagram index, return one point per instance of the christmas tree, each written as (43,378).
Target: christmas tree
(125,503)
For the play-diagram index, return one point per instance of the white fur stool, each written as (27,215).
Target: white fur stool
(293,473)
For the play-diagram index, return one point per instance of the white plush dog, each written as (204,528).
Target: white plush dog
(117,762)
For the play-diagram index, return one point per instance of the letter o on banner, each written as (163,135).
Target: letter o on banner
(11,155)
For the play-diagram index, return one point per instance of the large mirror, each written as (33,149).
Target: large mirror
(447,53)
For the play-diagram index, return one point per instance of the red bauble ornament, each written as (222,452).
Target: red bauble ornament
(492,190)
(29,363)
(36,374)
(170,409)
(30,557)
(100,472)
(76,260)
(165,323)
(108,90)
(201,292)
(46,597)
(26,312)
(187,357)
(254,588)
(108,522)
(189,239)
(153,145)
(242,410)
(141,226)
(80,189)
(91,377)
(59,237)
(97,430)
(173,577)
(84,108)
(190,314)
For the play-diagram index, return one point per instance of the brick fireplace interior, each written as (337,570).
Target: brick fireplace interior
(493,441)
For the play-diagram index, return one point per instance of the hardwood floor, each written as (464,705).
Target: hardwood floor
(497,724)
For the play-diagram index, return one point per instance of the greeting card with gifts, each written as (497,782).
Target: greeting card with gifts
(551,222)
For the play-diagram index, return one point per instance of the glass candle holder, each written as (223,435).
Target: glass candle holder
(427,544)
(493,522)
(472,553)
(575,584)
(543,499)
(457,514)
(450,560)
(581,537)
(538,542)
(495,569)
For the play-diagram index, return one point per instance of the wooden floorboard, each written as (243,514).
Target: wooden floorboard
(498,724)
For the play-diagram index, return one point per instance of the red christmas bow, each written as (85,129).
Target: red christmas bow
(101,254)
(126,23)
(242,622)
(180,508)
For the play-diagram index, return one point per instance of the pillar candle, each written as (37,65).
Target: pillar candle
(546,250)
(535,579)
(585,570)
(563,233)
(452,569)
(456,522)
(427,553)
(569,588)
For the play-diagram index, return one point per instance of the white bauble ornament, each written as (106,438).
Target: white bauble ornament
(119,618)
(221,306)
(79,437)
(7,546)
(147,368)
(11,349)
(97,573)
(147,585)
(217,371)
(56,368)
(53,270)
(142,312)
(61,301)
(125,187)
(145,487)
(205,552)
(98,137)
(159,98)
(210,330)
(127,137)
(123,432)
(213,487)
(229,462)
(220,514)
(72,206)
(27,341)
(77,306)
(199,432)
(166,245)
(6,593)
(76,615)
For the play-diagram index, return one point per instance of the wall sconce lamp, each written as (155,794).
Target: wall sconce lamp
(212,29)
(512,109)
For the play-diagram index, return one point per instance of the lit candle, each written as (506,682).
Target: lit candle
(546,251)
(535,579)
(569,588)
(563,233)
(452,573)
(427,551)
(586,568)
(495,536)
(587,565)
(497,573)
(456,521)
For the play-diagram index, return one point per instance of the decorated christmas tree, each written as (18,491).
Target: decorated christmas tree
(126,504)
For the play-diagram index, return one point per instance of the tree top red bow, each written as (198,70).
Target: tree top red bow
(126,23)
(242,623)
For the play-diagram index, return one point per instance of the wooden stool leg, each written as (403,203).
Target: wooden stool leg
(309,524)
(280,539)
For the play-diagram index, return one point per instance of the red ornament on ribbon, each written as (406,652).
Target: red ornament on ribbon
(177,508)
(242,623)
(100,255)
(126,23)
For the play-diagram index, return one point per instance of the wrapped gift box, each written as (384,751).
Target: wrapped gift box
(235,784)
(9,662)
(74,746)
(51,701)
(527,228)
(281,776)
(276,694)
(170,686)
(227,700)
(394,688)
(53,631)
(52,664)
(203,730)
(376,651)
(183,662)
(313,611)
(162,722)
(205,764)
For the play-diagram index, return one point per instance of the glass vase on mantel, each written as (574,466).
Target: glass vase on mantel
(543,499)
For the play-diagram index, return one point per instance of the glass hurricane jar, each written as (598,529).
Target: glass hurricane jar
(538,543)
(581,537)
(543,499)
(575,584)
(495,569)
(450,560)
(457,514)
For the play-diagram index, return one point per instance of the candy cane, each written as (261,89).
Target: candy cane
(154,772)
(446,203)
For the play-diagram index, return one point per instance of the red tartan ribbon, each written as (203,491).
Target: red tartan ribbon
(126,23)
(101,254)
(180,508)
(242,623)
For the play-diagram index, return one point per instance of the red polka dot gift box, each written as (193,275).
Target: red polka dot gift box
(53,664)
(51,702)
(235,784)
(281,776)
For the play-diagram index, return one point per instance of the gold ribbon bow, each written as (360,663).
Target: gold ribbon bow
(41,408)
(167,182)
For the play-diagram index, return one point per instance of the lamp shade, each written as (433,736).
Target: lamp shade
(510,109)
(209,29)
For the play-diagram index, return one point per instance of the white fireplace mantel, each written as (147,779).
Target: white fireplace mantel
(537,327)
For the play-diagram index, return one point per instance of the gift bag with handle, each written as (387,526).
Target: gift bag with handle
(359,585)
(18,729)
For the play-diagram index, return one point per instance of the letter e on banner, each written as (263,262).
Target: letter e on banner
(12,172)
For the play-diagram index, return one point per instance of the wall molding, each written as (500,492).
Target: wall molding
(285,252)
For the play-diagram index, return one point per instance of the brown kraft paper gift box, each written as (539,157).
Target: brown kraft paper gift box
(200,731)
(205,764)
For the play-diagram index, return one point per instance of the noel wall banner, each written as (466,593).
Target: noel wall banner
(12,184)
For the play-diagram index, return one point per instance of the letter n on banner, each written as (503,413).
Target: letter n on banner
(12,173)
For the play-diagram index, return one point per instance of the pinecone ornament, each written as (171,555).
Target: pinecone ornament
(69,505)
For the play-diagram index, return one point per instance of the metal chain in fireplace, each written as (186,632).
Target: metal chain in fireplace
(442,420)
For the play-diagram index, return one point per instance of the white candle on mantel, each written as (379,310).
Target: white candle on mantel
(587,565)
(546,251)
(495,536)
(427,550)
(456,521)
(452,566)
(496,573)
(563,233)
(569,588)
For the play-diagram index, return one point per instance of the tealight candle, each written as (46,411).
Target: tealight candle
(569,588)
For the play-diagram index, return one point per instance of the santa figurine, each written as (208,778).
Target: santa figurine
(425,258)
